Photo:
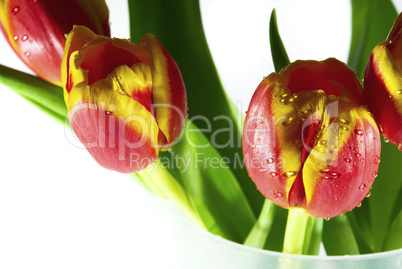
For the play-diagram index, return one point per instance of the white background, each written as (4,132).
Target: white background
(59,209)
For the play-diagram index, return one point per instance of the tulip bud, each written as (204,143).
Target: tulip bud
(383,84)
(309,141)
(36,30)
(125,101)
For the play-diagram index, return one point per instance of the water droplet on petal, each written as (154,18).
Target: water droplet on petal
(358,154)
(15,10)
(359,204)
(363,187)
(277,194)
(24,38)
(108,112)
(377,160)
(289,174)
(368,194)
(253,146)
(348,160)
(27,53)
(15,37)
(375,174)
(399,92)
(327,218)
(386,140)
(255,125)
(362,159)
(359,132)
(352,148)
(270,160)
(274,174)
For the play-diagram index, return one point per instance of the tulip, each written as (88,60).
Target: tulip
(36,30)
(309,142)
(126,102)
(383,84)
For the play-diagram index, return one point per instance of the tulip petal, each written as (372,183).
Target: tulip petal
(169,95)
(270,140)
(383,90)
(119,132)
(340,175)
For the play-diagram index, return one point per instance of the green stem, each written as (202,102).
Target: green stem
(161,182)
(295,231)
(259,233)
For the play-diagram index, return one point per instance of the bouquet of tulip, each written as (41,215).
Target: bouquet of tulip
(310,146)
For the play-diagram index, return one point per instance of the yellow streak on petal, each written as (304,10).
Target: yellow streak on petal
(132,81)
(135,116)
(76,39)
(161,89)
(285,117)
(389,72)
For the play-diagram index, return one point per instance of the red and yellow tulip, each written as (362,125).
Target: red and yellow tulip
(36,29)
(383,84)
(308,139)
(126,102)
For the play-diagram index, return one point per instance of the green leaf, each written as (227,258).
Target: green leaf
(338,237)
(278,51)
(313,237)
(394,239)
(46,96)
(178,25)
(260,231)
(371,22)
(212,187)
(386,190)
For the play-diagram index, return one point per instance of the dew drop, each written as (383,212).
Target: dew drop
(15,37)
(270,160)
(399,92)
(108,112)
(255,125)
(345,128)
(358,154)
(336,174)
(24,38)
(27,53)
(363,187)
(277,194)
(273,174)
(327,218)
(324,142)
(368,194)
(348,160)
(377,160)
(253,146)
(15,10)
(362,159)
(375,174)
(289,174)
(386,140)
(352,148)
(326,170)
(359,132)
(359,204)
